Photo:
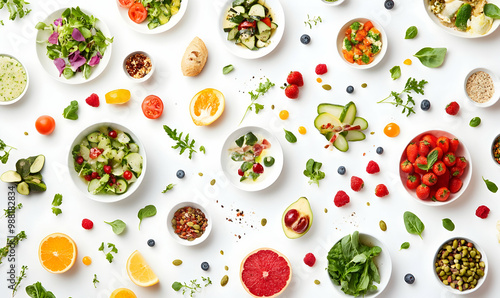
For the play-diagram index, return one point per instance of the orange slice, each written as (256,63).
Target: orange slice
(57,253)
(139,271)
(122,293)
(206,106)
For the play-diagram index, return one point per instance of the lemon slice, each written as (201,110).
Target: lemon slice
(139,271)
(206,106)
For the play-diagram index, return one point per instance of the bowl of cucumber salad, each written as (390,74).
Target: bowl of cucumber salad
(107,162)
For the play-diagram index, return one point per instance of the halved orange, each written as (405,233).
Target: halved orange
(57,253)
(122,293)
(139,271)
(206,106)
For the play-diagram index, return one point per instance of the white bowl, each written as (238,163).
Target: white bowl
(143,27)
(461,151)
(230,167)
(378,57)
(332,3)
(492,145)
(4,103)
(48,65)
(146,77)
(480,281)
(382,261)
(82,185)
(171,230)
(455,32)
(241,51)
(496,83)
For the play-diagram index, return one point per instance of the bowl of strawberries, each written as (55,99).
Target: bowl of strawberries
(435,168)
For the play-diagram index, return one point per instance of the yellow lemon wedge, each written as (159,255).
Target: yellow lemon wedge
(206,106)
(139,271)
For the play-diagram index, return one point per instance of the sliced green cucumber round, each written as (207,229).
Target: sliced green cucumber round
(121,186)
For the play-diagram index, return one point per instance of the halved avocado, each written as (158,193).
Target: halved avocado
(37,164)
(23,167)
(303,213)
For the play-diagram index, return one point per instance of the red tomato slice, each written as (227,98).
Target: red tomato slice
(126,3)
(246,25)
(267,21)
(152,107)
(137,13)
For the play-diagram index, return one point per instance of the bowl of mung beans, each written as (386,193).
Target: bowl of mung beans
(460,265)
(188,223)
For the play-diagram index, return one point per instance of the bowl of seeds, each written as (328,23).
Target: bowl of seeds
(188,223)
(138,66)
(479,86)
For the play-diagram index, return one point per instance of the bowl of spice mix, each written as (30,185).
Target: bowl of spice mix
(138,66)
(480,88)
(188,223)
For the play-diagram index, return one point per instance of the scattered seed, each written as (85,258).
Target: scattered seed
(200,174)
(177,262)
(364,85)
(327,87)
(226,268)
(272,107)
(263,222)
(25,133)
(326,210)
(317,282)
(224,280)
(382,225)
(372,133)
(367,203)
(222,252)
(212,182)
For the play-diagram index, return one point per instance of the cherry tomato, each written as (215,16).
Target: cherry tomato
(267,21)
(127,175)
(45,125)
(107,169)
(126,3)
(112,134)
(79,160)
(152,107)
(94,153)
(246,25)
(137,13)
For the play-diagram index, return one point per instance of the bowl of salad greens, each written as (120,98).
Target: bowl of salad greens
(73,46)
(107,162)
(151,16)
(359,265)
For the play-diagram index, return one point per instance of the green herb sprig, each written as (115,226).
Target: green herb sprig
(169,187)
(56,202)
(109,255)
(411,85)
(71,111)
(5,155)
(11,242)
(314,20)
(261,90)
(12,210)
(21,276)
(95,281)
(192,288)
(184,144)
(313,172)
(431,159)
(16,8)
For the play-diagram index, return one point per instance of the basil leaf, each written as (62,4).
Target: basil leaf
(227,69)
(147,211)
(405,245)
(250,139)
(310,165)
(239,142)
(491,186)
(395,72)
(474,122)
(492,11)
(448,224)
(431,57)
(411,32)
(432,158)
(118,226)
(290,137)
(176,286)
(413,224)
(246,166)
(70,112)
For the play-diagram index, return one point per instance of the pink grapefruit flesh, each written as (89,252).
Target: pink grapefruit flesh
(265,272)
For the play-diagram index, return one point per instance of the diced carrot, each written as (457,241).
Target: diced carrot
(359,61)
(360,35)
(362,47)
(366,42)
(348,56)
(371,59)
(358,52)
(348,32)
(374,30)
(368,25)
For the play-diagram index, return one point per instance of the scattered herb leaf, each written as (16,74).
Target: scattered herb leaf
(5,156)
(290,137)
(118,226)
(431,57)
(431,159)
(261,90)
(95,281)
(491,185)
(227,69)
(11,243)
(405,245)
(21,276)
(183,144)
(12,210)
(192,288)
(70,112)
(395,72)
(413,224)
(411,85)
(491,10)
(314,20)
(448,224)
(57,201)
(313,171)
(411,32)
(109,255)
(147,211)
(202,149)
(16,8)
(474,122)
(169,187)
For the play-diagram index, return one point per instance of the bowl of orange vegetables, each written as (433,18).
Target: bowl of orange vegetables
(362,43)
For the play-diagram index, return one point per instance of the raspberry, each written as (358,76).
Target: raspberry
(93,100)
(482,211)
(310,259)
(321,69)
(87,224)
(372,167)
(341,198)
(357,183)
(381,190)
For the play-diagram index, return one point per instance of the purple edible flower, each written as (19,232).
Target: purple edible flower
(58,22)
(53,38)
(77,35)
(76,60)
(60,64)
(95,59)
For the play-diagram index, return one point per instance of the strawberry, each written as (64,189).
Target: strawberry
(442,194)
(439,168)
(422,161)
(432,193)
(454,145)
(461,162)
(321,69)
(452,108)
(455,185)
(412,152)
(93,100)
(423,191)
(295,77)
(443,143)
(356,183)
(429,179)
(430,139)
(424,147)
(449,159)
(456,171)
(439,151)
(292,91)
(412,181)
(381,190)
(407,167)
(372,167)
(444,180)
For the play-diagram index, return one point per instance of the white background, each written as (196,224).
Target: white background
(46,96)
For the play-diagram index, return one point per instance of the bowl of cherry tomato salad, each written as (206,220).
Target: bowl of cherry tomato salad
(152,107)
(138,66)
(107,162)
(188,223)
(362,43)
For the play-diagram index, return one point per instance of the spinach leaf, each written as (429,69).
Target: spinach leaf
(491,186)
(118,226)
(36,290)
(227,69)
(70,112)
(395,72)
(240,141)
(448,224)
(492,11)
(405,245)
(147,211)
(250,139)
(290,137)
(431,57)
(411,32)
(413,224)
(474,122)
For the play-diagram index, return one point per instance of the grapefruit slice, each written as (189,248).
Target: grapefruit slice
(265,272)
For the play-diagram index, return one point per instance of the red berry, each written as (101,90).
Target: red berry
(88,177)
(430,139)
(461,162)
(310,259)
(412,181)
(381,190)
(107,169)
(455,185)
(442,194)
(412,152)
(79,160)
(93,100)
(372,167)
(452,108)
(356,183)
(443,143)
(407,167)
(87,224)
(341,198)
(94,153)
(423,191)
(295,77)
(240,172)
(454,145)
(127,175)
(321,69)
(292,91)
(429,179)
(112,134)
(98,178)
(456,171)
(94,175)
(424,147)
(482,211)
(258,168)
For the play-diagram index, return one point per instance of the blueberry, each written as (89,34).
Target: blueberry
(349,89)
(341,170)
(409,278)
(180,174)
(380,150)
(305,39)
(389,4)
(425,105)
(151,242)
(205,266)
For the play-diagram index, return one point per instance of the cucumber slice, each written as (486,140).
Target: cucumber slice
(238,2)
(37,165)
(93,137)
(348,113)
(341,143)
(239,9)
(257,10)
(264,36)
(262,44)
(134,160)
(121,186)
(85,152)
(93,186)
(11,176)
(361,122)
(119,156)
(23,188)
(164,18)
(335,110)
(102,158)
(263,27)
(274,26)
(122,138)
(355,135)
(324,119)
(249,42)
(118,170)
(232,34)
(134,147)
(104,143)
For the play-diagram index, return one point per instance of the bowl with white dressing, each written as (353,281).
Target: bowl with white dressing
(14,79)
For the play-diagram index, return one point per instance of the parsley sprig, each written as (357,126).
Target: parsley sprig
(182,143)
(11,210)
(21,276)
(169,187)
(95,281)
(411,85)
(192,288)
(11,242)
(313,172)
(109,256)
(5,156)
(314,20)
(261,90)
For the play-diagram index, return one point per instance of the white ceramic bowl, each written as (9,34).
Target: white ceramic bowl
(171,230)
(455,32)
(382,261)
(461,151)
(146,77)
(377,58)
(492,145)
(241,51)
(496,83)
(48,65)
(4,103)
(480,281)
(230,167)
(143,27)
(332,3)
(82,185)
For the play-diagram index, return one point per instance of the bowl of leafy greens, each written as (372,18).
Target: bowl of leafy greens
(73,46)
(359,265)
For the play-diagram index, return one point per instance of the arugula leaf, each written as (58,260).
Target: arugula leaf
(5,156)
(56,211)
(413,224)
(147,211)
(395,72)
(16,8)
(70,112)
(118,227)
(411,32)
(202,149)
(290,137)
(109,255)
(227,69)
(313,171)
(411,85)
(36,290)
(182,143)
(491,186)
(261,90)
(95,281)
(169,187)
